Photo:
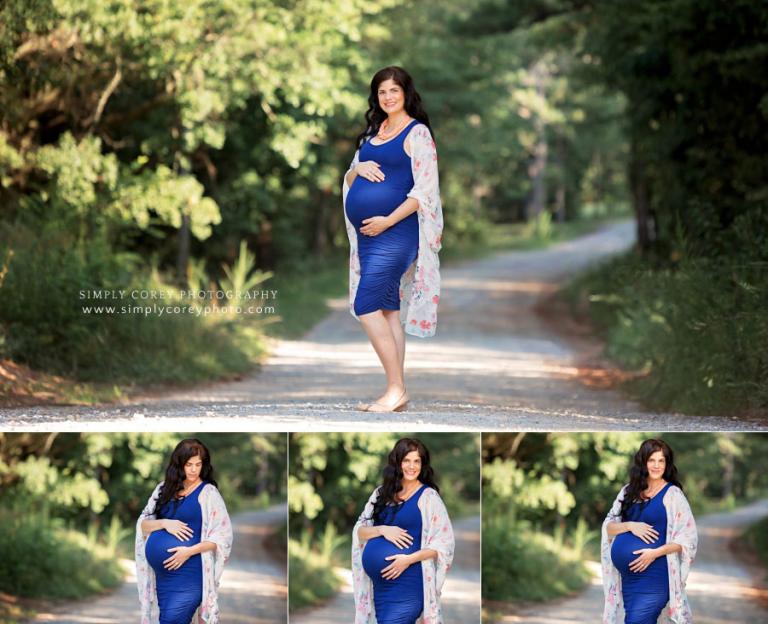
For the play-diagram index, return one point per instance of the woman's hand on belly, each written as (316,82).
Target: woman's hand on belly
(646,558)
(399,537)
(370,170)
(179,557)
(375,225)
(180,530)
(400,563)
(644,531)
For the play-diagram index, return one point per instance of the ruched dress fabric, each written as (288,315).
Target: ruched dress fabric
(399,600)
(180,591)
(644,593)
(384,258)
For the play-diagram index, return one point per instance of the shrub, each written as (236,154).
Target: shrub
(310,568)
(41,559)
(696,330)
(44,324)
(521,564)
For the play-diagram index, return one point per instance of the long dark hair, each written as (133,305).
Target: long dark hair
(393,473)
(638,473)
(375,115)
(174,473)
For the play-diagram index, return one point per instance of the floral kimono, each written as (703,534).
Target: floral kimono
(216,528)
(681,529)
(420,284)
(436,534)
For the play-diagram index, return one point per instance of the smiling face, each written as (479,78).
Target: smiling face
(656,465)
(411,466)
(391,97)
(193,468)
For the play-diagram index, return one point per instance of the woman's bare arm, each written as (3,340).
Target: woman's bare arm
(365,533)
(150,526)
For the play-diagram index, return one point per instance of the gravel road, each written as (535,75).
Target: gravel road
(494,364)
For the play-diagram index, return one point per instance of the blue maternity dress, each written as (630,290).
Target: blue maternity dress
(385,257)
(400,600)
(645,593)
(179,592)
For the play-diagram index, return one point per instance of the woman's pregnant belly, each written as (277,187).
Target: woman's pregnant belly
(375,556)
(157,547)
(371,199)
(622,552)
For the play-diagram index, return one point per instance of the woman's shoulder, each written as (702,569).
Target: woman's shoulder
(674,490)
(419,130)
(430,492)
(208,489)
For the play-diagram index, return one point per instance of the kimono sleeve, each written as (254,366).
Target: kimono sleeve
(426,184)
(362,587)
(611,579)
(683,531)
(439,536)
(354,260)
(344,185)
(145,576)
(219,529)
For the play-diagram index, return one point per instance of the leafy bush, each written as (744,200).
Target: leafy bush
(42,317)
(695,330)
(521,564)
(41,559)
(310,568)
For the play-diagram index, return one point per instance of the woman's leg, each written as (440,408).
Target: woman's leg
(393,318)
(385,344)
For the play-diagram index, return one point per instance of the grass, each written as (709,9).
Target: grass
(81,350)
(692,331)
(520,564)
(310,568)
(39,558)
(302,295)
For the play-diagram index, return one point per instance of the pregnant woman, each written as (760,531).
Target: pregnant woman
(402,544)
(394,223)
(648,543)
(183,539)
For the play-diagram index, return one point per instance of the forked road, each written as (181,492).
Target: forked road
(720,586)
(253,587)
(494,364)
(460,600)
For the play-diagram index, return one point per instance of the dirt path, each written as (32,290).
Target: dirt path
(253,587)
(461,592)
(720,587)
(494,364)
